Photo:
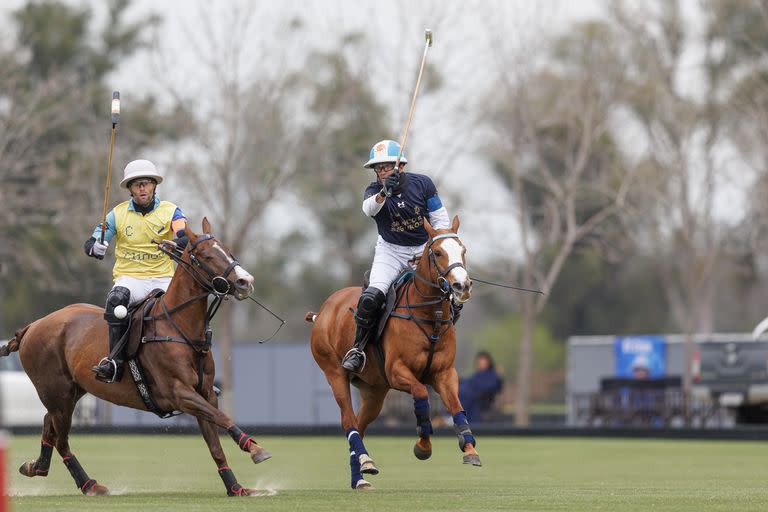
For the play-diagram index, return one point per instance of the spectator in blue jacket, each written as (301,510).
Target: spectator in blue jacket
(478,391)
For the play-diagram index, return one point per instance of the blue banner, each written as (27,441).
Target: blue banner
(641,357)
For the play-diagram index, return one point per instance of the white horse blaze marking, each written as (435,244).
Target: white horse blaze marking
(240,272)
(453,249)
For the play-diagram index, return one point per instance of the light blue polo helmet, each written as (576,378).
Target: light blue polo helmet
(384,151)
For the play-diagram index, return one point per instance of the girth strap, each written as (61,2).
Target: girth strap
(144,391)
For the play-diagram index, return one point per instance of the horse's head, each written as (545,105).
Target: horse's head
(224,274)
(445,254)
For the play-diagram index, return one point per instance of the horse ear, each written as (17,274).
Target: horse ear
(191,234)
(206,226)
(455,224)
(430,230)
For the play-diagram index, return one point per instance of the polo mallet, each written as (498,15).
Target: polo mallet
(427,44)
(115,119)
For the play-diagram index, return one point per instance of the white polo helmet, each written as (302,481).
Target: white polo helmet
(140,169)
(385,151)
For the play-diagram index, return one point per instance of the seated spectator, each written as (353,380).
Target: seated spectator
(478,391)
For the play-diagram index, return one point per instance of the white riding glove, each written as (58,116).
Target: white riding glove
(99,249)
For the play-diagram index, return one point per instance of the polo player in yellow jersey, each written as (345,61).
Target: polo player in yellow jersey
(140,267)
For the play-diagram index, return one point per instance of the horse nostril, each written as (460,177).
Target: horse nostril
(457,287)
(243,283)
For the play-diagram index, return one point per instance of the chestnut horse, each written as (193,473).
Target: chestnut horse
(58,351)
(418,345)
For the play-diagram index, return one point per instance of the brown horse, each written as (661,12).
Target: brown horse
(418,345)
(58,351)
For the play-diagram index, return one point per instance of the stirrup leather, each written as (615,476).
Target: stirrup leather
(96,369)
(355,350)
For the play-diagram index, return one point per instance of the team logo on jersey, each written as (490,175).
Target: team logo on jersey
(417,209)
(128,230)
(401,204)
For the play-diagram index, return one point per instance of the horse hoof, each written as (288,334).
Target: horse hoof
(97,490)
(367,465)
(421,454)
(473,459)
(27,469)
(245,492)
(363,485)
(260,456)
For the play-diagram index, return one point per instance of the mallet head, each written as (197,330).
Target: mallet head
(115,107)
(428,37)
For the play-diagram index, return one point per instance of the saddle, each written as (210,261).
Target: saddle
(389,303)
(136,324)
(132,341)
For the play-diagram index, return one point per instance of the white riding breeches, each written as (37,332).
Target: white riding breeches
(140,287)
(389,261)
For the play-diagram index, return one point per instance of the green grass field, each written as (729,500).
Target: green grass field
(166,473)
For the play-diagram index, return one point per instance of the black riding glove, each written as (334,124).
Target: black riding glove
(94,248)
(181,239)
(396,182)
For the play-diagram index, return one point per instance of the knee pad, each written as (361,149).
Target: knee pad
(118,296)
(370,301)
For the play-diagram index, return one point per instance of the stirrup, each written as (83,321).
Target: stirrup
(101,376)
(350,352)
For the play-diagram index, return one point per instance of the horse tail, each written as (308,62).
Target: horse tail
(310,317)
(13,345)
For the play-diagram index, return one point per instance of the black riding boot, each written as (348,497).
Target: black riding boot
(110,369)
(368,309)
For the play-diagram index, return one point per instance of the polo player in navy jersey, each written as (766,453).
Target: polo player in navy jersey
(400,223)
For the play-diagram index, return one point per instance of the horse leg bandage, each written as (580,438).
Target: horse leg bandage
(78,473)
(461,426)
(423,424)
(354,467)
(230,482)
(243,441)
(43,462)
(356,443)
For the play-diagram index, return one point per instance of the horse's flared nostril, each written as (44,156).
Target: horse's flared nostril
(457,287)
(244,282)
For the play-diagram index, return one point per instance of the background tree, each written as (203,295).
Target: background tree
(556,156)
(54,131)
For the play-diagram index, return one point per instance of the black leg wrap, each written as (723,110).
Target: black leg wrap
(230,482)
(78,473)
(43,462)
(242,440)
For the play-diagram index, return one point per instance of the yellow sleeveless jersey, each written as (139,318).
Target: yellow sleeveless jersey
(135,254)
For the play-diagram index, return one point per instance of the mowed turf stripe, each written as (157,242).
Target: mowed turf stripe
(162,473)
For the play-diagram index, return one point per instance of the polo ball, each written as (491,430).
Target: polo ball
(121,312)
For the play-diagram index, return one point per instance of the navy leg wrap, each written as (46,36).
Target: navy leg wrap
(43,462)
(243,441)
(354,468)
(423,425)
(230,482)
(78,473)
(356,442)
(461,426)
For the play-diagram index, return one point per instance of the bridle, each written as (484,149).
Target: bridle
(441,283)
(212,284)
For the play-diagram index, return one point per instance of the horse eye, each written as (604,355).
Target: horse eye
(438,254)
